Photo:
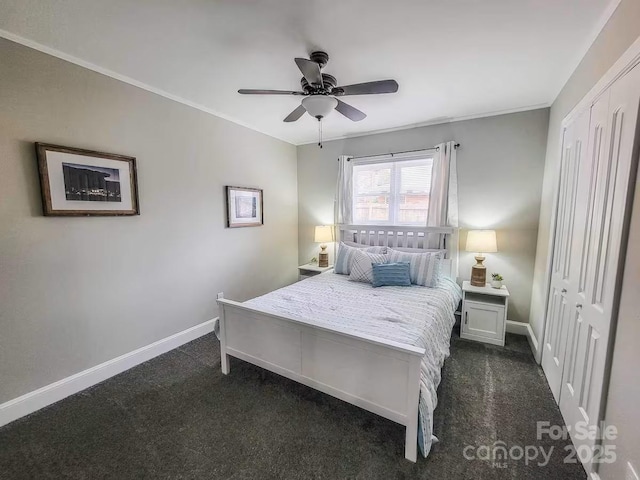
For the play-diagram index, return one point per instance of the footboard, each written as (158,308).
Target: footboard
(377,375)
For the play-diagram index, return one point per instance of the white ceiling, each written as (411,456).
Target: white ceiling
(452,58)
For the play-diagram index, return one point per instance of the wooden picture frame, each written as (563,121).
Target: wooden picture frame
(244,207)
(77,182)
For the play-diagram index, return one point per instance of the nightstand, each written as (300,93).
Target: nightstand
(484,313)
(311,270)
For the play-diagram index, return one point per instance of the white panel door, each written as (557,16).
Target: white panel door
(613,127)
(564,273)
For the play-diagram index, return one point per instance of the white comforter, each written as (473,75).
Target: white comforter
(419,316)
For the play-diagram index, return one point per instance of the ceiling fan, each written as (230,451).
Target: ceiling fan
(320,90)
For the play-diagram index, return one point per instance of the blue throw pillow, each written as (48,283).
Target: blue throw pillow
(391,274)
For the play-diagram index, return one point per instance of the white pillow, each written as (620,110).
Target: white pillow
(345,256)
(361,269)
(424,268)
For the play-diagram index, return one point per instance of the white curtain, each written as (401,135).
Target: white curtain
(344,192)
(443,201)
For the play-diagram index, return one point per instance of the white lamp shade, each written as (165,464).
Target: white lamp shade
(319,105)
(323,234)
(481,241)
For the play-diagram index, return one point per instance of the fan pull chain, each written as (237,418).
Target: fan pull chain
(320,132)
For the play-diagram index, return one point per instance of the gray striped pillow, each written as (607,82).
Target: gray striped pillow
(345,257)
(424,267)
(362,265)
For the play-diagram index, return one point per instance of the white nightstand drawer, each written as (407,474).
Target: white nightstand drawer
(483,320)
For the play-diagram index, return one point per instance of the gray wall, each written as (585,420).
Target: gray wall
(500,167)
(622,29)
(75,292)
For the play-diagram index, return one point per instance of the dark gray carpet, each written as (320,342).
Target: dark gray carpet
(177,416)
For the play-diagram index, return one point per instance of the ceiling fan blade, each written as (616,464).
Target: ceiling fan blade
(368,88)
(350,112)
(296,114)
(310,70)
(245,91)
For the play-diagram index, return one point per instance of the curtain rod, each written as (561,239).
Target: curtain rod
(399,153)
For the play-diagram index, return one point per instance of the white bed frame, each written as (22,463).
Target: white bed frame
(378,375)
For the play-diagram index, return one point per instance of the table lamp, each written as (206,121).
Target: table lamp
(480,241)
(324,234)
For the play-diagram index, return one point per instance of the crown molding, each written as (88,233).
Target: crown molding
(461,118)
(627,61)
(582,52)
(131,81)
(123,78)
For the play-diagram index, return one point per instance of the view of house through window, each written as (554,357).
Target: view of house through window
(392,193)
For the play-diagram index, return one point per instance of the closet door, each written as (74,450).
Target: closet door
(563,272)
(607,185)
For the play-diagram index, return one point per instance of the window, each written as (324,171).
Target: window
(392,193)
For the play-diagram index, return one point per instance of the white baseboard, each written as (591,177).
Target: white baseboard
(521,328)
(54,392)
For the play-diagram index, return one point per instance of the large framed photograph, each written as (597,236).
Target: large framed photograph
(244,207)
(77,182)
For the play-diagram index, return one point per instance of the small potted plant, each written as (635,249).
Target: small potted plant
(496,280)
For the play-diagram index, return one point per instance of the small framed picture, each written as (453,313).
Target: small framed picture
(77,182)
(244,207)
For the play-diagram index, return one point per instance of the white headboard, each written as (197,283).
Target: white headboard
(410,239)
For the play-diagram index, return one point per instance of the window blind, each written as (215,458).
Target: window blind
(392,193)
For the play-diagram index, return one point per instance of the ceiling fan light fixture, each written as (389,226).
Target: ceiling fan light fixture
(319,106)
(320,90)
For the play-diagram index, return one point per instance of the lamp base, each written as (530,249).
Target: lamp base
(323,257)
(479,273)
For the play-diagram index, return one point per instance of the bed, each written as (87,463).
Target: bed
(380,349)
